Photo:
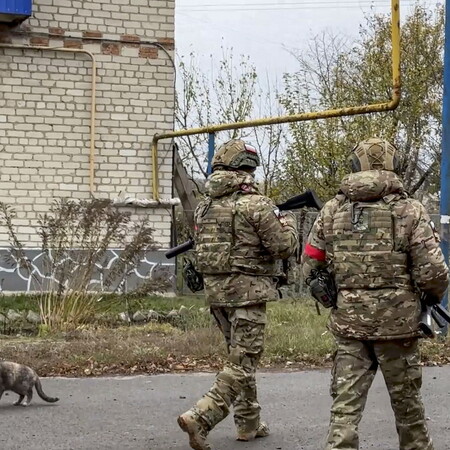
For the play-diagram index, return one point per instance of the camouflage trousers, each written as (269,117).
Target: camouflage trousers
(354,369)
(243,329)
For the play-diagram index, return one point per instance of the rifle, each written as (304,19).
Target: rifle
(429,313)
(323,288)
(308,199)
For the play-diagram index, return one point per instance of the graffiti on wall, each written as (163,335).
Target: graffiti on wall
(17,275)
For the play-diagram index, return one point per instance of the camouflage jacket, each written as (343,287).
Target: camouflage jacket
(240,240)
(383,249)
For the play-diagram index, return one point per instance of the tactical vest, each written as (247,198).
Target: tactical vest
(220,249)
(366,252)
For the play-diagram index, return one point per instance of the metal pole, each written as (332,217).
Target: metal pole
(445,159)
(211,142)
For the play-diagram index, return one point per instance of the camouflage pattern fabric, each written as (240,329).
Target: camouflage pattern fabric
(241,238)
(382,248)
(354,369)
(243,329)
(234,154)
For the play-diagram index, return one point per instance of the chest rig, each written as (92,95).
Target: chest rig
(365,247)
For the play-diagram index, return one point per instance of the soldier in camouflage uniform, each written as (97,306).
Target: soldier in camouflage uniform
(241,238)
(383,250)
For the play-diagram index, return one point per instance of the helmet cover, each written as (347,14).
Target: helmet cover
(374,154)
(235,154)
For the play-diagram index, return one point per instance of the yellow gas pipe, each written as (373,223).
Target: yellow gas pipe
(349,111)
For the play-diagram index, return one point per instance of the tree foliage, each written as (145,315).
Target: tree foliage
(228,91)
(333,74)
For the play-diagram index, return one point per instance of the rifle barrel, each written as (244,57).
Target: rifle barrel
(184,247)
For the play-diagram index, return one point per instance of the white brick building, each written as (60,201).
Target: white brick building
(48,148)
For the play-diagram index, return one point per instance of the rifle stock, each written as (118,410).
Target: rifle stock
(442,312)
(439,321)
(426,323)
(308,199)
(429,313)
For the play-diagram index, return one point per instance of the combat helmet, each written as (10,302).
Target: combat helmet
(374,154)
(235,154)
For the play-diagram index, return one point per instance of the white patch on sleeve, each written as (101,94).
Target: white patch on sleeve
(280,216)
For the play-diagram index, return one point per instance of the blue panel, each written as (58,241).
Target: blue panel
(17,8)
(445,159)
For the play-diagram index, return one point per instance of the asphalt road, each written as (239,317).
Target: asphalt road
(139,413)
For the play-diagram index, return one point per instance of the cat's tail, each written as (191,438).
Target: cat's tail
(41,393)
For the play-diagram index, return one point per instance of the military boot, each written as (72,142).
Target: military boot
(261,431)
(193,425)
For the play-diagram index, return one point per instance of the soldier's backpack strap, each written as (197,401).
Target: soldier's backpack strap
(234,200)
(341,199)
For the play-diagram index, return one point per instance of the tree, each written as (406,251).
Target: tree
(334,74)
(205,98)
(229,91)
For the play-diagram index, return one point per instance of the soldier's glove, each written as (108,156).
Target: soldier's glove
(323,288)
(192,277)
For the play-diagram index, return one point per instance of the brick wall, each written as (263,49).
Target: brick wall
(45,106)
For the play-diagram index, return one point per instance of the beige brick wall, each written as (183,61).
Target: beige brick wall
(45,106)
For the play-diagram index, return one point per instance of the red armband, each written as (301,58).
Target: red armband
(315,253)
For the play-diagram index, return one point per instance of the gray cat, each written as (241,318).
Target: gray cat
(21,380)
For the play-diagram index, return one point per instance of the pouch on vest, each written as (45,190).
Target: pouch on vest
(364,247)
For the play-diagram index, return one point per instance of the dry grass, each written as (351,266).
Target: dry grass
(296,338)
(75,237)
(151,348)
(68,310)
(191,342)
